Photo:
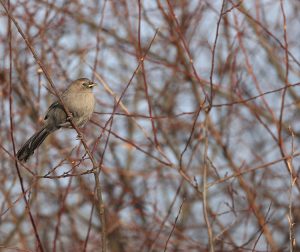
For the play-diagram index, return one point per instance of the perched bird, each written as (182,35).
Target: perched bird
(80,101)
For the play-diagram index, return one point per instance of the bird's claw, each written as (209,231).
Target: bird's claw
(69,117)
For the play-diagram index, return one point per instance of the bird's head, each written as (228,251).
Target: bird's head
(81,85)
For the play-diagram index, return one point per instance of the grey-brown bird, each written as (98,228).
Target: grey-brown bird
(80,101)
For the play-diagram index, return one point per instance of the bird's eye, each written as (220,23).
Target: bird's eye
(88,84)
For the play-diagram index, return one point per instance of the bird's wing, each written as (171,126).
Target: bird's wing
(53,106)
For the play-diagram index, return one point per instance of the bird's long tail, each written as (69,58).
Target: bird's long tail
(32,143)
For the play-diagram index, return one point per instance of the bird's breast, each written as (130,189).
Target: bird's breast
(81,105)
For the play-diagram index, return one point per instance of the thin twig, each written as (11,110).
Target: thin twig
(174,225)
(204,179)
(213,56)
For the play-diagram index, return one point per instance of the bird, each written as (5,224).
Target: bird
(79,99)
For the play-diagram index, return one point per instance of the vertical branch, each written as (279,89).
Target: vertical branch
(213,56)
(293,179)
(205,189)
(280,141)
(289,162)
(37,237)
(101,210)
(141,58)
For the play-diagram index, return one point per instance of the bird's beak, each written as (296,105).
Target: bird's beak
(92,84)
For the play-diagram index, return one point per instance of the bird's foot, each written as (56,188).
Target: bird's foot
(79,137)
(69,117)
